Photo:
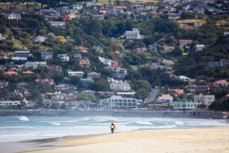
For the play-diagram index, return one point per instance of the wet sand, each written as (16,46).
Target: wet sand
(207,140)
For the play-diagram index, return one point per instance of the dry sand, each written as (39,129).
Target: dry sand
(208,140)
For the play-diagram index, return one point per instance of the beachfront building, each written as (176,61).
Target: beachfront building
(204,99)
(119,103)
(165,98)
(7,104)
(185,105)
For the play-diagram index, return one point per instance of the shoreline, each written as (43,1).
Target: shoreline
(140,113)
(201,140)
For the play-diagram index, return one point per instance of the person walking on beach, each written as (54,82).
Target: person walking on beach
(112,127)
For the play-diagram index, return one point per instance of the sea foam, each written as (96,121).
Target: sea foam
(23,118)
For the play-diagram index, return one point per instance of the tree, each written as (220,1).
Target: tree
(61,39)
(42,32)
(100,85)
(142,94)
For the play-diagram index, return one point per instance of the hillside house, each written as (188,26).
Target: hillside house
(94,75)
(168,48)
(199,47)
(77,56)
(98,49)
(63,57)
(35,65)
(221,83)
(134,34)
(185,42)
(81,49)
(10,73)
(46,55)
(61,87)
(45,81)
(85,63)
(221,63)
(120,85)
(40,39)
(105,61)
(198,88)
(58,24)
(54,69)
(204,99)
(177,92)
(19,60)
(14,16)
(22,53)
(75,74)
(3,84)
(173,16)
(27,73)
(2,37)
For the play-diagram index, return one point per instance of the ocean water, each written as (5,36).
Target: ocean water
(20,128)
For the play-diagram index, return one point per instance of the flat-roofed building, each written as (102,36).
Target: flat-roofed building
(185,105)
(204,99)
(6,104)
(119,103)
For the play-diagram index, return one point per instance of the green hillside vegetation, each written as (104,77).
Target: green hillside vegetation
(108,34)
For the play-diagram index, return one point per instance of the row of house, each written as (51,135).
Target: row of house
(165,101)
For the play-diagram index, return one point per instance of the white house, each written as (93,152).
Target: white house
(46,55)
(40,39)
(185,105)
(204,99)
(63,57)
(77,6)
(199,47)
(2,37)
(226,33)
(75,74)
(117,85)
(22,53)
(14,16)
(35,65)
(134,34)
(118,102)
(58,24)
(105,61)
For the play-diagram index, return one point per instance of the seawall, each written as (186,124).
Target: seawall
(177,114)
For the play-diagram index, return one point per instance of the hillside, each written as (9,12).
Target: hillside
(85,49)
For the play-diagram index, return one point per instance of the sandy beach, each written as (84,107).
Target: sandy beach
(207,140)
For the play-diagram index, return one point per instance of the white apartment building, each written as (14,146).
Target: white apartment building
(120,85)
(134,34)
(120,103)
(204,99)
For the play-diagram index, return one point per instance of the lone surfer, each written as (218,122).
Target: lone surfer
(112,127)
